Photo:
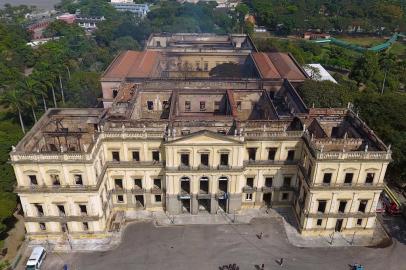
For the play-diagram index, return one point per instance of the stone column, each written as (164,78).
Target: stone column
(173,205)
(213,204)
(258,198)
(234,202)
(147,200)
(194,204)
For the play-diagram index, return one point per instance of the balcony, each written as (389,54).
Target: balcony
(341,215)
(84,218)
(138,191)
(202,195)
(184,195)
(221,195)
(267,189)
(56,189)
(269,162)
(184,167)
(156,190)
(249,189)
(203,167)
(223,167)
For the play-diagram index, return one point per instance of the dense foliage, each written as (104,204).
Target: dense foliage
(373,16)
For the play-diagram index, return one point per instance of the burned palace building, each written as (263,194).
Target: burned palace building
(199,123)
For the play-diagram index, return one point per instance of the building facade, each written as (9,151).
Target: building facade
(199,123)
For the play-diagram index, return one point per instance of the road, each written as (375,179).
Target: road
(210,246)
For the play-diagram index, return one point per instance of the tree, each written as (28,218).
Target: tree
(13,99)
(324,94)
(365,68)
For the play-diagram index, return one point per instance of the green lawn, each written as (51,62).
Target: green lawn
(362,41)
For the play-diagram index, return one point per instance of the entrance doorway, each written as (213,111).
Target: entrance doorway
(267,198)
(204,205)
(185,205)
(339,225)
(223,204)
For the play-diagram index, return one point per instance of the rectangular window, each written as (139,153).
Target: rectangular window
(158,198)
(362,206)
(342,206)
(118,183)
(224,159)
(250,182)
(216,106)
(78,179)
(42,226)
(268,181)
(348,178)
(321,208)
(187,106)
(291,155)
(40,210)
(369,178)
(136,155)
(202,106)
(157,183)
(120,198)
(165,105)
(285,196)
(137,183)
(359,221)
(83,209)
(319,222)
(185,132)
(184,160)
(150,105)
(248,197)
(155,155)
(239,106)
(252,153)
(327,178)
(55,180)
(204,185)
(272,153)
(85,226)
(204,159)
(33,180)
(115,155)
(139,200)
(287,181)
(206,66)
(61,210)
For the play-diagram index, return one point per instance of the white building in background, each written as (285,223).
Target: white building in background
(318,73)
(220,3)
(128,5)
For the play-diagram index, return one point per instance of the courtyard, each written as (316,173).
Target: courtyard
(145,246)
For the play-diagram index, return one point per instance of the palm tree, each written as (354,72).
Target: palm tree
(27,88)
(13,99)
(40,88)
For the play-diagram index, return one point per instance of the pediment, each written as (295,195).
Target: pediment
(205,138)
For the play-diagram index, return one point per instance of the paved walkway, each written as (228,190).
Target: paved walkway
(161,219)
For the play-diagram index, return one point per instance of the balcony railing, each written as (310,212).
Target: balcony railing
(156,190)
(249,189)
(203,195)
(138,191)
(267,189)
(269,162)
(56,189)
(81,218)
(221,195)
(341,215)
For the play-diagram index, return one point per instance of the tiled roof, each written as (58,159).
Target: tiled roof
(132,64)
(277,65)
